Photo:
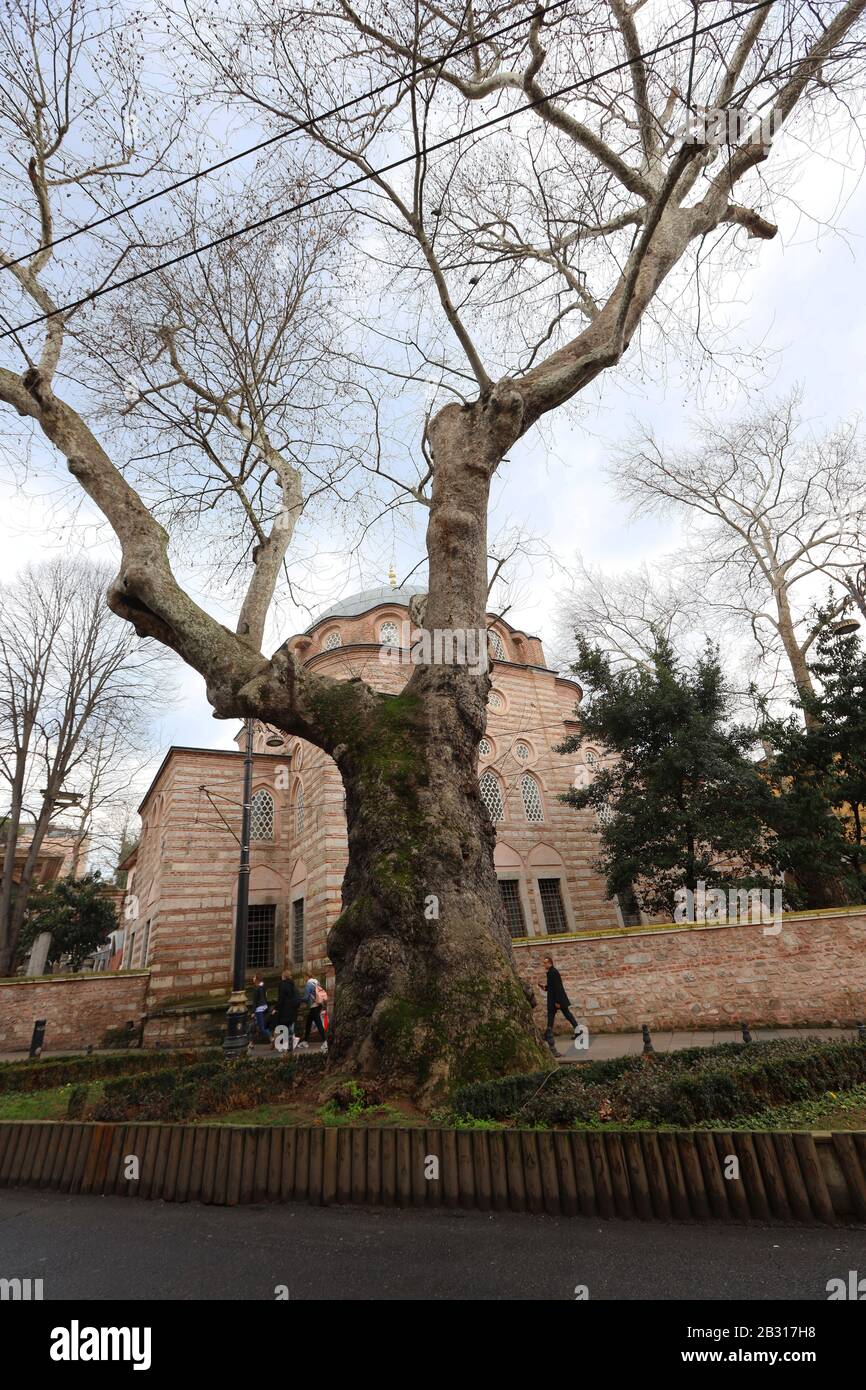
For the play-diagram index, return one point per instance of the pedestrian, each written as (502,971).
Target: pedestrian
(556,999)
(315,998)
(289,1001)
(260,1007)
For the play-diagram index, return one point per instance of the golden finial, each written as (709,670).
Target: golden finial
(392,576)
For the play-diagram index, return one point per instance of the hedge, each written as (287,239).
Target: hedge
(40,1075)
(684,1088)
(206,1088)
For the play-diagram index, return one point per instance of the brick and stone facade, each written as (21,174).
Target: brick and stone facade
(811,974)
(183,877)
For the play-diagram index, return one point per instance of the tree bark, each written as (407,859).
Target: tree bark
(428,995)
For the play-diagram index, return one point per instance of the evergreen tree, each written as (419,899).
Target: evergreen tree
(683,802)
(819,774)
(77,914)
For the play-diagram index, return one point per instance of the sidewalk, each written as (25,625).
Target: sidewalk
(603,1045)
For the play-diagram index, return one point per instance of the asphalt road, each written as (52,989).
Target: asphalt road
(116,1248)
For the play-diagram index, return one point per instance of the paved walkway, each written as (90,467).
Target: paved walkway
(603,1045)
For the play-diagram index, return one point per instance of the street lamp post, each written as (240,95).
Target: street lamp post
(237,1018)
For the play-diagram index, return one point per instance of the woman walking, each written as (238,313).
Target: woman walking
(289,1002)
(316,999)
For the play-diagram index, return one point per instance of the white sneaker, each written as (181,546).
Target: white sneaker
(302,1044)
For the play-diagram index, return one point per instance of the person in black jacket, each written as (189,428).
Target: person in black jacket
(556,999)
(261,1006)
(289,1000)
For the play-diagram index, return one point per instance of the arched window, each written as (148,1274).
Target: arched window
(605,814)
(262,816)
(590,757)
(521,751)
(531,793)
(494,700)
(332,641)
(299,808)
(491,795)
(388,634)
(485,748)
(497,651)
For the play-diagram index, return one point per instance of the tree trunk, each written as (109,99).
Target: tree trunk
(427,994)
(793,650)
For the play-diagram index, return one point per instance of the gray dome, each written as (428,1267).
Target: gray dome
(356,604)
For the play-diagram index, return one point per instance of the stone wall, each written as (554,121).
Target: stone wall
(78,1009)
(696,978)
(812,974)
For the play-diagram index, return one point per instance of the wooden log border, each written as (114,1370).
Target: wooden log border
(638,1175)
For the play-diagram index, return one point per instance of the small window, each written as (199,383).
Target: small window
(262,816)
(491,795)
(590,757)
(497,650)
(332,641)
(299,809)
(131,954)
(494,700)
(551,905)
(531,793)
(145,942)
(388,634)
(485,748)
(261,922)
(604,814)
(509,891)
(521,751)
(298,930)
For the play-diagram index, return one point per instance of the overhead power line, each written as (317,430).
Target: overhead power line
(375,173)
(308,124)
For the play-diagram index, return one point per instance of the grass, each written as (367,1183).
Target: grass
(43,1105)
(835,1110)
(291,1116)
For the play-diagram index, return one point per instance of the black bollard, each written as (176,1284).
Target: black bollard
(747,1037)
(647,1040)
(38,1038)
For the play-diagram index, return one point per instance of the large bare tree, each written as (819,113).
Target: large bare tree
(624,613)
(502,272)
(777,513)
(77,690)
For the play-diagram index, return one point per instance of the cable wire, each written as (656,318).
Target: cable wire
(372,174)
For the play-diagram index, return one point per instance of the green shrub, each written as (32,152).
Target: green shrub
(44,1075)
(213,1087)
(77,1101)
(685,1088)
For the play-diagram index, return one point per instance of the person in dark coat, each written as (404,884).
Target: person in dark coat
(261,1006)
(289,1000)
(556,999)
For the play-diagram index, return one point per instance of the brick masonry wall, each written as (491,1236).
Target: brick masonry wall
(78,1010)
(812,974)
